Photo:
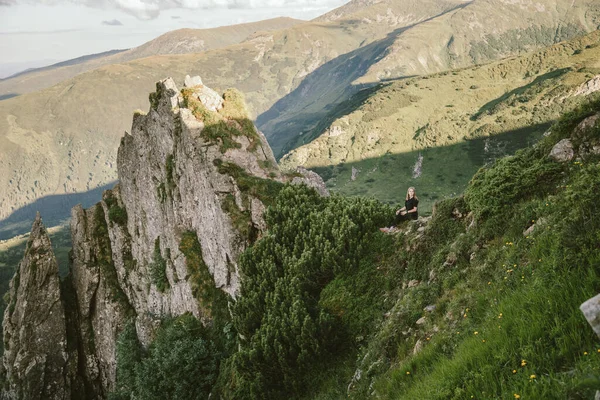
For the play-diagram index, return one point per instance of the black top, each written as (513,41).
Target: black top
(410,204)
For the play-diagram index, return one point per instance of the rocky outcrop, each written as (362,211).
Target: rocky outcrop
(583,143)
(35,337)
(194,176)
(310,179)
(177,174)
(562,151)
(589,87)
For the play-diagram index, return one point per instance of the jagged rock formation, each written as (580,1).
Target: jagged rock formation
(190,177)
(310,179)
(35,337)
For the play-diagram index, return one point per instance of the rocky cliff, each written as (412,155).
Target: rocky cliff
(195,176)
(35,349)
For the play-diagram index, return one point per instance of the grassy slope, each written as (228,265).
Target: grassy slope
(461,119)
(506,322)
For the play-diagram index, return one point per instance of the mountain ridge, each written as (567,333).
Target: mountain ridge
(293,76)
(180,41)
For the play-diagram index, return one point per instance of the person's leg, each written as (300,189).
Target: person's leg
(400,218)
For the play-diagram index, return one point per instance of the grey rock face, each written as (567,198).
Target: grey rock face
(35,354)
(102,307)
(562,151)
(170,184)
(311,179)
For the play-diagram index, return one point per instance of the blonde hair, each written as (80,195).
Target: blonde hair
(414,191)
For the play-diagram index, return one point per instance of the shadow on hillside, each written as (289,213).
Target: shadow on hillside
(489,106)
(445,171)
(55,209)
(8,96)
(300,111)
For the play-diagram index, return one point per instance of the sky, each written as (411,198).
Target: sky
(34,33)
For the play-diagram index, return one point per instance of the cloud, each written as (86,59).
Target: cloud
(150,9)
(114,22)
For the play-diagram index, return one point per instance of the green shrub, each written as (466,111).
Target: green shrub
(158,268)
(170,172)
(495,191)
(311,240)
(263,189)
(212,300)
(241,220)
(180,362)
(116,213)
(105,262)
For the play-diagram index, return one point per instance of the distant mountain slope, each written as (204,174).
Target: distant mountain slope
(447,125)
(469,33)
(181,41)
(74,61)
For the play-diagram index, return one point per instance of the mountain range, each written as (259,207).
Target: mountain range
(63,139)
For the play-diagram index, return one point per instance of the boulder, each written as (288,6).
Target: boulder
(418,347)
(562,151)
(587,123)
(190,82)
(591,310)
(539,223)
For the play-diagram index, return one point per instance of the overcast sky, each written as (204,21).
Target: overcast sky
(39,32)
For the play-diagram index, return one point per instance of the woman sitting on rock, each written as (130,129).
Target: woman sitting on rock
(408,212)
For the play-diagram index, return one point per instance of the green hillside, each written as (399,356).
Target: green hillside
(479,301)
(456,121)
